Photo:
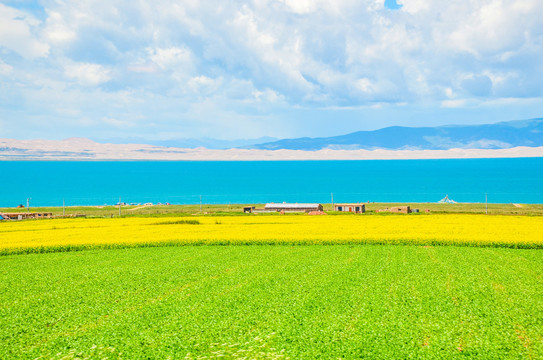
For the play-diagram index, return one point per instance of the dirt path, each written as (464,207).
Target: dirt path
(139,207)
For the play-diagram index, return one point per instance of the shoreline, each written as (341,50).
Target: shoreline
(88,150)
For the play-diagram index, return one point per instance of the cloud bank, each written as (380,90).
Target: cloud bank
(264,67)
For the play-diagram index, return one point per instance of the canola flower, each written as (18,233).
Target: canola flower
(435,229)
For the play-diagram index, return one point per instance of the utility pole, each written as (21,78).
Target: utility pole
(119,206)
(63,208)
(332,201)
(200,203)
(28,204)
(486,203)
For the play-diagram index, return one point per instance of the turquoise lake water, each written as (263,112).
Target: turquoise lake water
(47,183)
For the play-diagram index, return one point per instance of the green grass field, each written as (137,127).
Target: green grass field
(299,302)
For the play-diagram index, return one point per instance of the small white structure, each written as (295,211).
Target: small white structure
(286,207)
(354,208)
(446,200)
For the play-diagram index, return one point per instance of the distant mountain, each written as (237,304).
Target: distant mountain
(493,136)
(207,143)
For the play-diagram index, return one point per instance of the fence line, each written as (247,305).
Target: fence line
(320,197)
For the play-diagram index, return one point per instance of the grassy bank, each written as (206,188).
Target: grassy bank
(298,302)
(231,209)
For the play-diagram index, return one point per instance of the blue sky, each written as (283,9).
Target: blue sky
(244,69)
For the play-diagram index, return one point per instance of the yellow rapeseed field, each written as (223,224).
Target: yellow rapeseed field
(453,229)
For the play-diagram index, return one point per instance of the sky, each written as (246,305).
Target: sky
(173,69)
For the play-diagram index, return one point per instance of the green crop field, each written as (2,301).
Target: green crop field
(364,301)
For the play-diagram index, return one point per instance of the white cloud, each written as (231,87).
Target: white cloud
(301,6)
(268,95)
(57,31)
(414,6)
(88,74)
(171,58)
(5,69)
(17,33)
(364,85)
(498,28)
(204,85)
(453,103)
(121,124)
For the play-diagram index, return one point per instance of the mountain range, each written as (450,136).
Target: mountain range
(522,138)
(188,143)
(501,135)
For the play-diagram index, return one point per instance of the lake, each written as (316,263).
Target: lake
(47,183)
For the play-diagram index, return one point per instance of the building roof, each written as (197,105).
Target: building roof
(291,206)
(349,204)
